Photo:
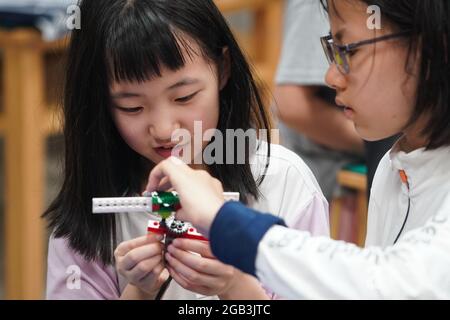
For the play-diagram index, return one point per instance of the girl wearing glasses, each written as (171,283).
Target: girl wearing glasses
(388,81)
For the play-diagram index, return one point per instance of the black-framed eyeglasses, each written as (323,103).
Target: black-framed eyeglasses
(339,54)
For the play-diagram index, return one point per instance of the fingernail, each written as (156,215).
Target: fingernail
(146,194)
(176,160)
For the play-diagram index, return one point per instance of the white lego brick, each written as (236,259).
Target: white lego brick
(136,204)
(122,204)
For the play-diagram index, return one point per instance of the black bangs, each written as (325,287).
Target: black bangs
(140,42)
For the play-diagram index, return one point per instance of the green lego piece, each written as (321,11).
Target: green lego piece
(165,203)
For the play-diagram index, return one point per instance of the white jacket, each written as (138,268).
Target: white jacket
(296,265)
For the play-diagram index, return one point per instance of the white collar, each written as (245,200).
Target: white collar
(423,168)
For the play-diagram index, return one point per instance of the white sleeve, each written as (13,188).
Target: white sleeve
(297,266)
(303,206)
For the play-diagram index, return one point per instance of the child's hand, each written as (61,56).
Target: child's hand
(202,274)
(201,195)
(140,261)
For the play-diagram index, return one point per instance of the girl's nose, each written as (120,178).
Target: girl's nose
(335,79)
(162,130)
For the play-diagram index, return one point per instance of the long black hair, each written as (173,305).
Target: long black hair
(132,40)
(428,22)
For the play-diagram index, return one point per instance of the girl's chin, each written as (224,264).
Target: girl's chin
(372,135)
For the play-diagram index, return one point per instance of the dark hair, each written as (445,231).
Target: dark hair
(429,24)
(131,40)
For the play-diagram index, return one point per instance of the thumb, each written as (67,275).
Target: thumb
(183,215)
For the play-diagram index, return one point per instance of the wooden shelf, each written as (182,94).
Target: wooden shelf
(353,180)
(2,125)
(238,5)
(358,183)
(52,124)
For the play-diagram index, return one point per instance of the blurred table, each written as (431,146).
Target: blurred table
(357,181)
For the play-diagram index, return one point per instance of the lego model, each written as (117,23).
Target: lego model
(161,204)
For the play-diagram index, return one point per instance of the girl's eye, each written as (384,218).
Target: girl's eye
(351,53)
(186,98)
(130,110)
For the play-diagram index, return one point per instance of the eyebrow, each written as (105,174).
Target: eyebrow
(122,95)
(183,82)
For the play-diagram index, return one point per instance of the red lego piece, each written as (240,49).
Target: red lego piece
(191,232)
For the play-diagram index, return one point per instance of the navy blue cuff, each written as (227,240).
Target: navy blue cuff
(236,232)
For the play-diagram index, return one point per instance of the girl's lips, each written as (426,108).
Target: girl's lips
(164,152)
(349,112)
(167,152)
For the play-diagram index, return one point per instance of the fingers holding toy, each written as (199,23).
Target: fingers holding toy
(202,274)
(140,262)
(200,247)
(202,260)
(129,253)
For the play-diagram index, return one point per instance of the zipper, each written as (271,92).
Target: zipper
(404,179)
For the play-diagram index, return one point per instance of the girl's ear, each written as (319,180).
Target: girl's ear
(225,68)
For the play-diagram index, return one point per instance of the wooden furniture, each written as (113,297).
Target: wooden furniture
(358,183)
(22,124)
(27,118)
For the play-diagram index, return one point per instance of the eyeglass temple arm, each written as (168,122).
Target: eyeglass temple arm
(353,46)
